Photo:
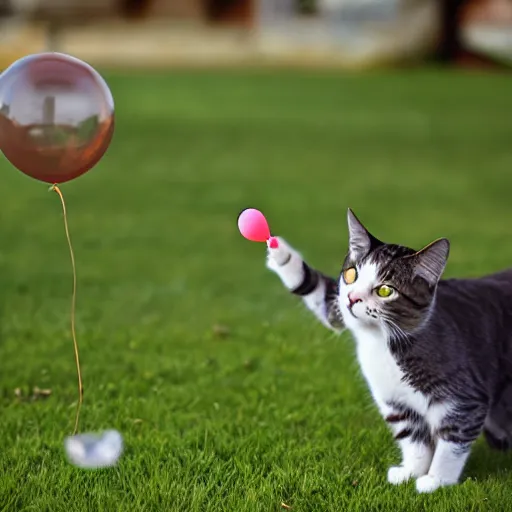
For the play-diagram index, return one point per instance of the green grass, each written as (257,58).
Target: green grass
(277,410)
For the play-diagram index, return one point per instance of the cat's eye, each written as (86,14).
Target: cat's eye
(385,291)
(350,275)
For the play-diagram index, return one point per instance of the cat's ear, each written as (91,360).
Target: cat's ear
(360,241)
(429,263)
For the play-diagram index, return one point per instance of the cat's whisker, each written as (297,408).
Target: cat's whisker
(395,329)
(402,336)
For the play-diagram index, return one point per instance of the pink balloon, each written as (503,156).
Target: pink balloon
(253,225)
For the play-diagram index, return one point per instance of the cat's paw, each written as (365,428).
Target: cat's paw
(279,256)
(428,483)
(287,263)
(398,475)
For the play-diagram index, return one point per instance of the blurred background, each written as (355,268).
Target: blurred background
(399,109)
(346,33)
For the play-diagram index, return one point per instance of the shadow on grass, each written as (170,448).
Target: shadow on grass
(485,462)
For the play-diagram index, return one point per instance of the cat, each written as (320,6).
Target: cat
(436,353)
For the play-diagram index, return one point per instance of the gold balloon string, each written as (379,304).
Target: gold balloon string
(56,189)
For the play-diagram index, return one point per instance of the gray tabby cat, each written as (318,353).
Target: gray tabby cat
(437,354)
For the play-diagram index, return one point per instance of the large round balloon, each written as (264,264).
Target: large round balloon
(56,116)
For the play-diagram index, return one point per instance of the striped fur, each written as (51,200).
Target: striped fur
(437,354)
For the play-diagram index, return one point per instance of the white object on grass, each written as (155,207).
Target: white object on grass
(92,451)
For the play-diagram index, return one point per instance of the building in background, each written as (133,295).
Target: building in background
(486,29)
(347,33)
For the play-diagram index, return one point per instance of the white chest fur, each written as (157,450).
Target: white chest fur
(385,378)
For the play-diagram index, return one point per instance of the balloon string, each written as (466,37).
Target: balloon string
(56,189)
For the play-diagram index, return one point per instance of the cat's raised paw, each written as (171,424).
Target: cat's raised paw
(398,475)
(279,256)
(428,483)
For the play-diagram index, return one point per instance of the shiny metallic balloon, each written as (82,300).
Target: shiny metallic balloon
(56,116)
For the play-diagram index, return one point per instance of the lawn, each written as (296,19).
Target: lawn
(229,396)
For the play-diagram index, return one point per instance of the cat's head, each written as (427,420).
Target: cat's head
(386,285)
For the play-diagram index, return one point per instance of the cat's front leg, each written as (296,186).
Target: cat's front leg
(446,468)
(319,292)
(416,460)
(452,449)
(413,436)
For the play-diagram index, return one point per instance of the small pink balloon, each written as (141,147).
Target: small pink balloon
(253,225)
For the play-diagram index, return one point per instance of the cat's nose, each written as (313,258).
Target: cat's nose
(353,299)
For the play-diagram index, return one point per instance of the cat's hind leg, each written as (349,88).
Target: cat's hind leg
(497,437)
(498,423)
